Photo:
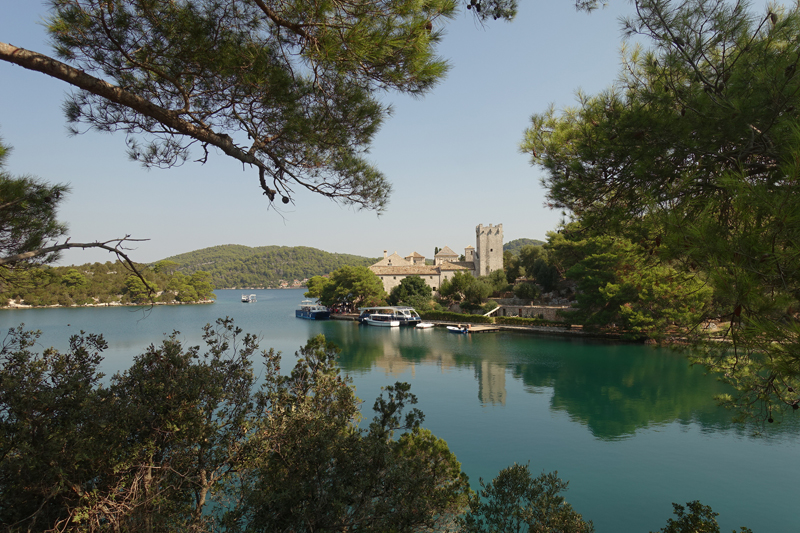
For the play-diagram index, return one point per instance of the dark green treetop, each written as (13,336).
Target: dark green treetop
(693,156)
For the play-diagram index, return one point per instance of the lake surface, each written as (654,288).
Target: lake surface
(632,428)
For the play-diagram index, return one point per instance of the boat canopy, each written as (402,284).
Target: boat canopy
(390,310)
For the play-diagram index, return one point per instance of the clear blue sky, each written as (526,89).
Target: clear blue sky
(452,156)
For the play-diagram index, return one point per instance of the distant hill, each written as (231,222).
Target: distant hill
(234,266)
(517,244)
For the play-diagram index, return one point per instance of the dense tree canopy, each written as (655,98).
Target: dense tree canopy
(693,156)
(290,89)
(185,440)
(103,283)
(412,291)
(347,287)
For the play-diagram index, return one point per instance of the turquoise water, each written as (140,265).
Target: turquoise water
(632,428)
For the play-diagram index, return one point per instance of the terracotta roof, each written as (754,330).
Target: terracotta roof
(446,251)
(419,270)
(470,246)
(447,265)
(415,254)
(394,260)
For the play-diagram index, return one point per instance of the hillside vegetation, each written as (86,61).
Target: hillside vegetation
(517,244)
(235,266)
(104,283)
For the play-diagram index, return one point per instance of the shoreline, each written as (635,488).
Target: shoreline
(14,305)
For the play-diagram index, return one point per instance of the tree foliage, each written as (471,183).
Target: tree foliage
(412,291)
(618,283)
(348,287)
(693,156)
(103,283)
(186,440)
(28,209)
(290,89)
(538,267)
(517,502)
(694,518)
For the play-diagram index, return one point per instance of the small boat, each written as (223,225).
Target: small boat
(425,325)
(458,329)
(248,299)
(382,320)
(312,311)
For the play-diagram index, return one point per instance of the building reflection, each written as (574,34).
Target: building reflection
(491,382)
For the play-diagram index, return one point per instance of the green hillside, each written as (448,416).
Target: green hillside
(234,266)
(517,244)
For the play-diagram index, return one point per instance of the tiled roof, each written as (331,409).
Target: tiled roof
(415,254)
(461,265)
(419,270)
(446,251)
(394,260)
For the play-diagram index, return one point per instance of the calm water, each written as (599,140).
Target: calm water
(632,428)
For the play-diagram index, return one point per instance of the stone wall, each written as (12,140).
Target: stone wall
(532,311)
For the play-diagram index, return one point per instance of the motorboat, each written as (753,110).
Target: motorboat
(425,325)
(382,319)
(248,299)
(406,316)
(311,310)
(458,329)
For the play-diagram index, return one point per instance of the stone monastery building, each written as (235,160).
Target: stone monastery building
(485,257)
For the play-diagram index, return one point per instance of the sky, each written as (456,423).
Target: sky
(452,156)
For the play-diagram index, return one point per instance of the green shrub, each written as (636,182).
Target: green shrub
(519,321)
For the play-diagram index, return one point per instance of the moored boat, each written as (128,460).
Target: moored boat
(425,325)
(312,311)
(382,320)
(406,316)
(458,329)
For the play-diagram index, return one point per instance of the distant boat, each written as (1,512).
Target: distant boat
(312,311)
(248,299)
(382,320)
(458,329)
(425,325)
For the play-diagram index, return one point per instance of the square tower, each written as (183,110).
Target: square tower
(488,249)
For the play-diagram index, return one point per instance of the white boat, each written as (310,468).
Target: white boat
(407,316)
(425,325)
(248,299)
(458,329)
(382,320)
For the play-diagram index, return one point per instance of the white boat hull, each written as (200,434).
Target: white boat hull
(425,325)
(382,323)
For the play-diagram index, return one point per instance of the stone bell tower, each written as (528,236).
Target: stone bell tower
(488,249)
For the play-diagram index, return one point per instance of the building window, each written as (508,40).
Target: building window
(394,277)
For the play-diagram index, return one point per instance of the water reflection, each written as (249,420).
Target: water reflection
(614,390)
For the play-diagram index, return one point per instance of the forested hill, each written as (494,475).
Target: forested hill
(234,266)
(517,244)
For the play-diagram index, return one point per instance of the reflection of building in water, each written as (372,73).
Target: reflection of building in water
(492,383)
(394,364)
